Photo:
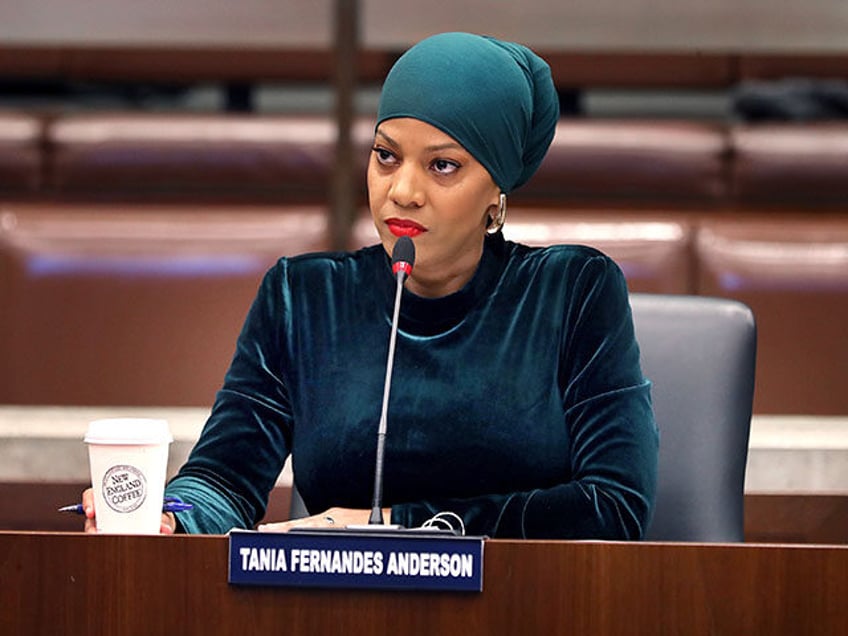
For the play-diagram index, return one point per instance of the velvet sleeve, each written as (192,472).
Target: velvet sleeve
(246,439)
(606,407)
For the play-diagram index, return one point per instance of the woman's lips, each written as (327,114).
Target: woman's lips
(405,227)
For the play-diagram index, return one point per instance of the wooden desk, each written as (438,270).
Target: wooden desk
(77,584)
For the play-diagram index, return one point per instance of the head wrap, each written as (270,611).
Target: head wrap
(495,98)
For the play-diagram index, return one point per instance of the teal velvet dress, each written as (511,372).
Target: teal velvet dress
(517,403)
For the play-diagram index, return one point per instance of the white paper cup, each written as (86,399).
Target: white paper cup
(128,458)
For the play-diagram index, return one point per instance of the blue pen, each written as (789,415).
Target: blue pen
(171,504)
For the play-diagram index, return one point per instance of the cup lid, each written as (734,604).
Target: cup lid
(128,431)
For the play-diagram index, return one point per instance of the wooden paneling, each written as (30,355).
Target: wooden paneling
(796,518)
(120,585)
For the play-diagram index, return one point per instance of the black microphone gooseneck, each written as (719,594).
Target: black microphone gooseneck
(403,257)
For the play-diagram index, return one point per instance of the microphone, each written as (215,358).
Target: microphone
(403,257)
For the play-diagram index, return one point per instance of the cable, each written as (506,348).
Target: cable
(446,520)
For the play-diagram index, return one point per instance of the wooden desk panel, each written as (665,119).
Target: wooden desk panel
(116,585)
(796,518)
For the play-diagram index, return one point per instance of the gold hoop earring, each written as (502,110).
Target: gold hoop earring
(499,218)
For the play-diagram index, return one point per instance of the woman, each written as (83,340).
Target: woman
(518,402)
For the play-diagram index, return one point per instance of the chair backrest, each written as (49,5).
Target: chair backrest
(699,352)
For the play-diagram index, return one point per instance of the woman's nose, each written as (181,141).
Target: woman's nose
(407,186)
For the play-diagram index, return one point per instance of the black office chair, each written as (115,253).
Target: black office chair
(699,352)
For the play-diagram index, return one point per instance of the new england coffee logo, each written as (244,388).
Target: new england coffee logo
(124,488)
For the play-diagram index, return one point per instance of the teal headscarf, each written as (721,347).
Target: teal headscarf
(497,99)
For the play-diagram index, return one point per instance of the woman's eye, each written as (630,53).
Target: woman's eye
(385,157)
(444,166)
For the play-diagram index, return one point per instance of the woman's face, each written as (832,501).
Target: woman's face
(423,184)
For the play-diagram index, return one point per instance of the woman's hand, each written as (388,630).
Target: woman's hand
(332,518)
(167,526)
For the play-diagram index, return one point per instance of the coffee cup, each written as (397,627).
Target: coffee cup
(128,458)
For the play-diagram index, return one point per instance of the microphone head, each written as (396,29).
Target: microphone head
(403,255)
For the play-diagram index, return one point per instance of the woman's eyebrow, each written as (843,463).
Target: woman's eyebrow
(388,139)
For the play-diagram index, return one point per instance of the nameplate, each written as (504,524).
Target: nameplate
(361,560)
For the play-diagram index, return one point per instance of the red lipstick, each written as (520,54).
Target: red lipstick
(405,227)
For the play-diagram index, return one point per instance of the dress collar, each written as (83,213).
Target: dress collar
(430,316)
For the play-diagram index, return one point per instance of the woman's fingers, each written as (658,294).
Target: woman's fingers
(167,526)
(332,518)
(169,523)
(88,508)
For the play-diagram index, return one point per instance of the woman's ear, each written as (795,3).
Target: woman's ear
(497,215)
(491,213)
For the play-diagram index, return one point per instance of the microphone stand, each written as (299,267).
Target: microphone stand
(403,256)
(377,503)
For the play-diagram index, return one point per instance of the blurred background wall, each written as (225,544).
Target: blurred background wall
(156,158)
